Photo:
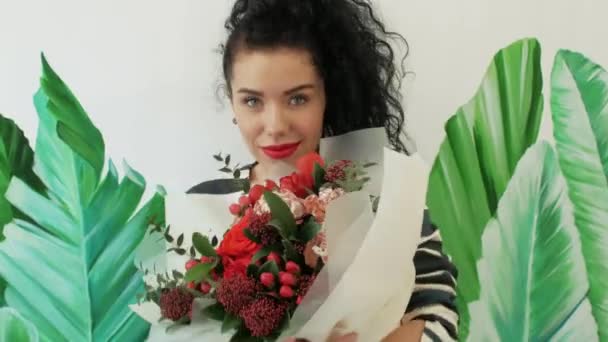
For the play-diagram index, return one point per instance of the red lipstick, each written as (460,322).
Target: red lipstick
(280,151)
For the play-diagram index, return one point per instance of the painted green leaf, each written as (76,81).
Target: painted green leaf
(72,273)
(579,105)
(15,328)
(485,140)
(73,124)
(532,268)
(16,160)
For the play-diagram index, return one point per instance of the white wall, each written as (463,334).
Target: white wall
(147,73)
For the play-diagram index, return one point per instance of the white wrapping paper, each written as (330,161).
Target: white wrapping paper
(371,295)
(368,279)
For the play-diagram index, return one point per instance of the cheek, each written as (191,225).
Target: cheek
(311,126)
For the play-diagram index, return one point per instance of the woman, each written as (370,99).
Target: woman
(297,70)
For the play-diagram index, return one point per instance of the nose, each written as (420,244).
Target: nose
(276,122)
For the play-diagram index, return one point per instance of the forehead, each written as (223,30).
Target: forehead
(273,69)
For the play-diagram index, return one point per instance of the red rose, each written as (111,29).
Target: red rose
(306,168)
(291,183)
(233,267)
(301,181)
(236,249)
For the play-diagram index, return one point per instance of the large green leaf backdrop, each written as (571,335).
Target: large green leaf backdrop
(530,249)
(70,270)
(525,222)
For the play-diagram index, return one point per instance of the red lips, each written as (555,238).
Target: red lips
(280,151)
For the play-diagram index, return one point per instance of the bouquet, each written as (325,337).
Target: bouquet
(253,281)
(330,245)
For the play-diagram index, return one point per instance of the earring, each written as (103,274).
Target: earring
(234,121)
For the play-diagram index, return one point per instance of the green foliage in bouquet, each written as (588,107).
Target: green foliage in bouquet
(69,270)
(529,228)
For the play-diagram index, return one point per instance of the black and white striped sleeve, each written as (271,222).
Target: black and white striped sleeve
(434,297)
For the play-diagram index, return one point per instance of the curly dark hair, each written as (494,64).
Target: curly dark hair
(350,49)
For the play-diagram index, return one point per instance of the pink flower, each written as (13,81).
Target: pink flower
(328,194)
(317,205)
(293,202)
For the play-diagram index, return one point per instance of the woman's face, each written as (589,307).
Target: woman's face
(278,99)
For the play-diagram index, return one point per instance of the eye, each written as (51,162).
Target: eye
(298,100)
(251,101)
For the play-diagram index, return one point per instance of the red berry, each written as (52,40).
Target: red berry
(287,279)
(206,260)
(244,201)
(256,192)
(191,285)
(205,287)
(235,209)
(267,279)
(292,267)
(191,263)
(270,185)
(299,300)
(286,291)
(274,256)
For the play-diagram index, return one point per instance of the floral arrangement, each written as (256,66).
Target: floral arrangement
(262,268)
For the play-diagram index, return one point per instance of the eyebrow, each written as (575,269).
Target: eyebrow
(287,92)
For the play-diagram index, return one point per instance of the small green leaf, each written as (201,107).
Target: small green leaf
(180,240)
(375,204)
(308,230)
(261,254)
(230,322)
(318,176)
(243,335)
(177,274)
(225,170)
(237,173)
(252,270)
(222,186)
(283,326)
(269,266)
(227,160)
(168,237)
(366,165)
(280,211)
(214,241)
(180,251)
(199,272)
(202,245)
(192,252)
(218,157)
(181,321)
(291,253)
(215,312)
(250,236)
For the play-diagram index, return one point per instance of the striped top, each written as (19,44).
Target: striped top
(434,297)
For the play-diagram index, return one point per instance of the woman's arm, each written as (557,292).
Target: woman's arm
(433,300)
